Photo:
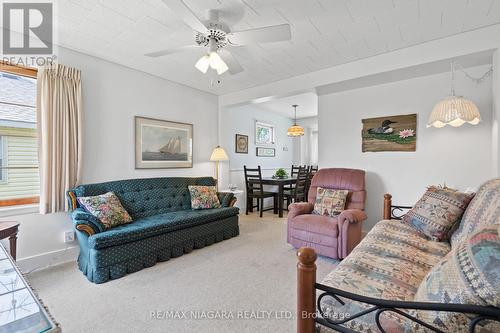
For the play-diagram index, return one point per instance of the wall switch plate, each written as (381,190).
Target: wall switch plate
(69,236)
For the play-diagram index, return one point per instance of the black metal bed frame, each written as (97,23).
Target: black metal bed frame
(477,314)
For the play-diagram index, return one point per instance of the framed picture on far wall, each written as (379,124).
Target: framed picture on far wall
(241,144)
(265,152)
(162,144)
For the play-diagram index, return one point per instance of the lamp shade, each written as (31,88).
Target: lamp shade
(454,111)
(295,130)
(219,154)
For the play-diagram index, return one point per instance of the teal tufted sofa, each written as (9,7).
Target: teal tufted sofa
(163,227)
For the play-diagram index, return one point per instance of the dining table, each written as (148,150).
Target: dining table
(280,183)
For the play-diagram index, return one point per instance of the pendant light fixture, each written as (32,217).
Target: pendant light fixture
(295,130)
(456,110)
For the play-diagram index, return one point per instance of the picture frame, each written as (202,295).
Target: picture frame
(162,144)
(241,144)
(390,133)
(265,152)
(265,134)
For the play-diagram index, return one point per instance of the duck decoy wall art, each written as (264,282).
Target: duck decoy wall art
(391,133)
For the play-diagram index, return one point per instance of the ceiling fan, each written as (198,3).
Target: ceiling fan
(216,35)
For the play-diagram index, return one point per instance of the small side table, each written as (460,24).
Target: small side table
(238,194)
(10,229)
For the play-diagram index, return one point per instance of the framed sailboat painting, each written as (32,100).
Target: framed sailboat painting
(161,144)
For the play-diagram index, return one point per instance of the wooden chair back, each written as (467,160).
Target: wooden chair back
(253,180)
(301,183)
(294,171)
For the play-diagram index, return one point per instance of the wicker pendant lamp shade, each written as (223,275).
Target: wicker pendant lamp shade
(295,130)
(454,111)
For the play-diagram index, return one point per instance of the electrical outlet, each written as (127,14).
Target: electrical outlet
(69,236)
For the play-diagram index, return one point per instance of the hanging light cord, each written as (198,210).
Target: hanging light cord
(478,80)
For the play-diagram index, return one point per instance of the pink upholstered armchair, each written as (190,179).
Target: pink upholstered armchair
(333,237)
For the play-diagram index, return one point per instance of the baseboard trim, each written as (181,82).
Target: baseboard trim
(48,259)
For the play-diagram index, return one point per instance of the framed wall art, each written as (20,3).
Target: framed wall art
(241,144)
(265,152)
(391,133)
(163,144)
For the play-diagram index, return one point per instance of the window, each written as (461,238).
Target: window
(3,173)
(19,178)
(264,133)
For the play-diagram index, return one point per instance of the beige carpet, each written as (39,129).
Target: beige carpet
(246,284)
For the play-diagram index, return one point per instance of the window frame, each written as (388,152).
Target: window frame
(31,73)
(271,127)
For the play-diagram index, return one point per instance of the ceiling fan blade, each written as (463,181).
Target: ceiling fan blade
(231,62)
(275,33)
(172,50)
(186,14)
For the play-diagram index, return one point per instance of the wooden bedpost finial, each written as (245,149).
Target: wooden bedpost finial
(387,206)
(306,256)
(306,290)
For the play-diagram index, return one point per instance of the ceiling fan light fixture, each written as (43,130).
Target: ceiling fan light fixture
(203,64)
(217,63)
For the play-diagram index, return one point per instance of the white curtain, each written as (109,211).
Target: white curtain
(59,127)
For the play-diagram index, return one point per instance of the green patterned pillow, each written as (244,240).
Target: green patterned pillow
(107,208)
(435,214)
(469,274)
(203,197)
(329,202)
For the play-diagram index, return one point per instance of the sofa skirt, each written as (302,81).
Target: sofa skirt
(114,262)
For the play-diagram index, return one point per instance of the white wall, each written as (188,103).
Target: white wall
(113,95)
(306,151)
(461,157)
(241,120)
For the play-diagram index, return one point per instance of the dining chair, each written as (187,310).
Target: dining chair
(298,192)
(255,190)
(312,171)
(294,171)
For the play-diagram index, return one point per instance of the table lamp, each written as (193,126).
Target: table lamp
(219,154)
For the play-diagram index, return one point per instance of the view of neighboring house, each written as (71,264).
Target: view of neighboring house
(19,182)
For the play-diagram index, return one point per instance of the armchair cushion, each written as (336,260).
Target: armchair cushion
(82,218)
(225,198)
(330,202)
(316,224)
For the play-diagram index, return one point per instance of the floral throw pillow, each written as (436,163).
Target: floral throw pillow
(435,214)
(203,197)
(329,202)
(107,208)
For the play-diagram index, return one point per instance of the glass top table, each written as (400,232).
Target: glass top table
(20,308)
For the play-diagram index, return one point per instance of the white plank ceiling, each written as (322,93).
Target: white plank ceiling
(325,33)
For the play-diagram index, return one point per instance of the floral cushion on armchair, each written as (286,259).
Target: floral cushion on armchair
(107,208)
(204,197)
(330,202)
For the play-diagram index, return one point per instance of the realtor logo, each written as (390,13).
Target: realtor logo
(27,28)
